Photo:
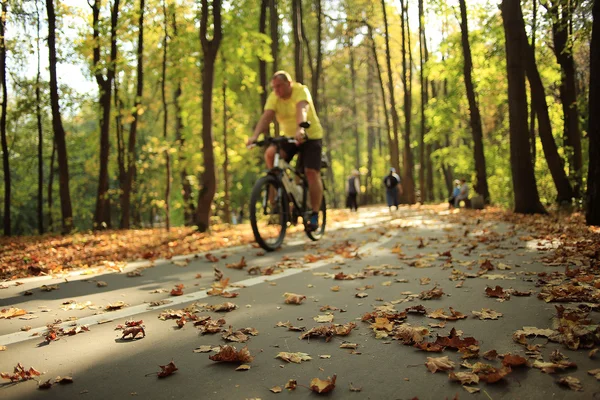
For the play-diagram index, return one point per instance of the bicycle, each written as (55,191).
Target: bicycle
(272,196)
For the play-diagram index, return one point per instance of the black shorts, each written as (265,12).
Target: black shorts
(309,154)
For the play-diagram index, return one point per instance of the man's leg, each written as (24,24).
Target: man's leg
(315,188)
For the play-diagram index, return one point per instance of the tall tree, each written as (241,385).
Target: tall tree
(424,94)
(297,34)
(371,133)
(210,48)
(5,155)
(165,125)
(130,156)
(274,28)
(262,64)
(40,130)
(593,189)
(226,175)
(481,186)
(57,126)
(393,142)
(532,109)
(408,181)
(102,213)
(538,102)
(354,101)
(527,200)
(561,14)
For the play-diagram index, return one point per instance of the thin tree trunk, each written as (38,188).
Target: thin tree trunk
(163,92)
(532,111)
(593,189)
(50,187)
(210,48)
(561,15)
(354,107)
(370,129)
(316,78)
(393,150)
(59,132)
(481,186)
(393,142)
(226,178)
(5,154)
(408,182)
(274,27)
(262,64)
(538,100)
(327,142)
(120,130)
(102,213)
(423,83)
(524,185)
(38,114)
(297,34)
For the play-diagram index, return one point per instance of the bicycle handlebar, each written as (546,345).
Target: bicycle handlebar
(268,141)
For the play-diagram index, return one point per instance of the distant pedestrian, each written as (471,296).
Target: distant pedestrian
(455,192)
(352,190)
(393,188)
(463,194)
(240,215)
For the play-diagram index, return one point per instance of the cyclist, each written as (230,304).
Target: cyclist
(291,104)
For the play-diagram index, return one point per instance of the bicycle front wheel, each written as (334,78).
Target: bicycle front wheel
(269,212)
(318,234)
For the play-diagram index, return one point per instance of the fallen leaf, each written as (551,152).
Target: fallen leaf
(361,295)
(324,318)
(510,360)
(434,293)
(296,358)
(465,378)
(425,281)
(291,384)
(45,385)
(48,288)
(243,367)
(439,364)
(471,389)
(292,298)
(355,389)
(571,382)
(496,292)
(486,313)
(203,349)
(230,354)
(65,380)
(167,370)
(595,373)
(227,306)
(20,374)
(178,290)
(12,312)
(101,284)
(349,346)
(116,306)
(322,386)
(239,265)
(276,389)
(335,288)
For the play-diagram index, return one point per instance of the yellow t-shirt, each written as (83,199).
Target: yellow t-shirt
(285,112)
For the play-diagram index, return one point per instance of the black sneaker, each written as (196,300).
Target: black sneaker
(313,223)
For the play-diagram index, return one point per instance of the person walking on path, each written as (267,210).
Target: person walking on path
(352,190)
(393,188)
(455,192)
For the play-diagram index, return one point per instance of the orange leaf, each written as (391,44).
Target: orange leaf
(322,386)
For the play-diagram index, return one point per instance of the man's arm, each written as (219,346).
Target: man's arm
(262,126)
(301,116)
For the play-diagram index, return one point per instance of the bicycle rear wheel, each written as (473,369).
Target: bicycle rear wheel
(318,234)
(269,212)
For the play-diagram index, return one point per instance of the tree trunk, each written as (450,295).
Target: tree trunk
(165,106)
(424,99)
(297,34)
(561,13)
(327,142)
(481,186)
(393,140)
(370,130)
(102,213)
(5,154)
(354,107)
(131,156)
(210,48)
(408,180)
(226,179)
(189,209)
(524,185)
(50,187)
(593,189)
(274,27)
(38,115)
(316,78)
(532,110)
(57,126)
(262,64)
(538,100)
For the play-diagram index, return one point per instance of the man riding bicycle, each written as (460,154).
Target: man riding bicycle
(291,103)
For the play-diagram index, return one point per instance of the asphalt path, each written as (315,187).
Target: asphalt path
(406,249)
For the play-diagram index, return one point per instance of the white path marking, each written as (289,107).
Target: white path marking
(17,337)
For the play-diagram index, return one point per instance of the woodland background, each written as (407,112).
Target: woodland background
(494,92)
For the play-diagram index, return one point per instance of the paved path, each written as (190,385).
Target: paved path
(407,247)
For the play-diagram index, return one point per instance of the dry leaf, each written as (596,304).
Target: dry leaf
(486,313)
(276,389)
(291,384)
(243,367)
(203,349)
(20,374)
(465,378)
(239,265)
(230,354)
(571,382)
(595,373)
(227,306)
(335,288)
(361,295)
(510,360)
(101,284)
(292,298)
(355,389)
(322,386)
(296,358)
(439,364)
(11,312)
(167,370)
(324,318)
